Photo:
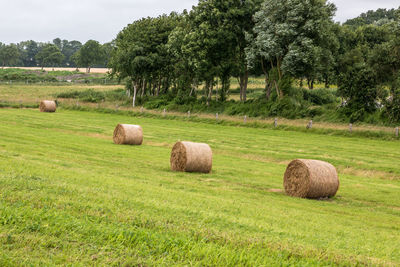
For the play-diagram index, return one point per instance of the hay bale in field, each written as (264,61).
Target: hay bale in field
(311,179)
(126,134)
(191,157)
(47,106)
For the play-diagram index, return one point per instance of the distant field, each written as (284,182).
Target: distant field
(92,70)
(33,93)
(69,196)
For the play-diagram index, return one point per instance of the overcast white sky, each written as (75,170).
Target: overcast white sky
(44,20)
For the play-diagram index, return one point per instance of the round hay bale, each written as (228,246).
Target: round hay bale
(311,179)
(126,134)
(47,106)
(191,157)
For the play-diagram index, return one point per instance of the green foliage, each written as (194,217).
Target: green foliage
(392,106)
(89,54)
(49,55)
(321,96)
(359,86)
(141,55)
(93,96)
(69,48)
(379,17)
(290,35)
(28,51)
(8,55)
(24,75)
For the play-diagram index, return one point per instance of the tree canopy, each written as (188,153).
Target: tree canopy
(49,56)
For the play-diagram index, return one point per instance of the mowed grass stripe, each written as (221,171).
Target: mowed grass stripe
(68,171)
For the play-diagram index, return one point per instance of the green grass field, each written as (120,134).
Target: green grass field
(69,196)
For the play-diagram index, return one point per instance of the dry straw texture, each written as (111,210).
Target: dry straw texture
(126,134)
(191,157)
(47,106)
(311,179)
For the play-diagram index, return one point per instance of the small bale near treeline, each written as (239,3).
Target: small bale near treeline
(126,134)
(47,106)
(191,157)
(311,179)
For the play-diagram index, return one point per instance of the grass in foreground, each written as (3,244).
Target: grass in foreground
(68,195)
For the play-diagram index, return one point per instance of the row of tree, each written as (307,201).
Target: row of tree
(59,53)
(283,40)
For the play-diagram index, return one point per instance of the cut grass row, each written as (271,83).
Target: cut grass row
(373,132)
(68,195)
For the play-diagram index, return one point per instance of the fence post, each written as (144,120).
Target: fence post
(216,116)
(245,119)
(309,125)
(397,132)
(188,114)
(350,127)
(163,113)
(276,122)
(141,109)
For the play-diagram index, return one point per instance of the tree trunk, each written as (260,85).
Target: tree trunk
(144,87)
(216,93)
(267,83)
(278,92)
(241,88)
(210,89)
(159,86)
(268,88)
(310,83)
(327,81)
(245,81)
(154,89)
(134,94)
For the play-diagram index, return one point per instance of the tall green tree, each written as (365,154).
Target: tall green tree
(107,50)
(385,60)
(141,54)
(217,42)
(89,55)
(28,51)
(68,49)
(289,35)
(9,55)
(49,55)
(359,87)
(379,17)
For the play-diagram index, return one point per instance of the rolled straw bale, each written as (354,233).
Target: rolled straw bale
(191,157)
(126,134)
(311,179)
(47,106)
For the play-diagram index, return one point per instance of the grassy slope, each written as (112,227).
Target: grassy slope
(68,195)
(33,94)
